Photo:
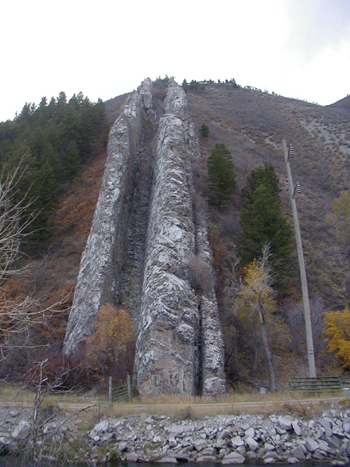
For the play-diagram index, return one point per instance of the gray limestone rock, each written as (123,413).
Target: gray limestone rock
(206,459)
(285,422)
(250,432)
(251,443)
(326,424)
(168,460)
(132,457)
(98,272)
(298,453)
(237,441)
(233,458)
(170,330)
(311,445)
(144,232)
(22,430)
(296,427)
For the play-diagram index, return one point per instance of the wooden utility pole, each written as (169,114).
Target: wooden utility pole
(305,293)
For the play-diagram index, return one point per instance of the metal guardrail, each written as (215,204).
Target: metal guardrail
(315,386)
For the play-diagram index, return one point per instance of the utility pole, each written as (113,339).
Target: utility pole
(307,315)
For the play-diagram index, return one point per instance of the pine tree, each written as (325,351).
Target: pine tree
(204,130)
(221,174)
(56,139)
(263,223)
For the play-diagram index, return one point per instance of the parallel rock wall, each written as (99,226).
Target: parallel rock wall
(101,263)
(166,359)
(144,233)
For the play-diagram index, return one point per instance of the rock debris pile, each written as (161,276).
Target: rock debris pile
(227,439)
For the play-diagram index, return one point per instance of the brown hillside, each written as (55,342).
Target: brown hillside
(342,104)
(114,107)
(252,125)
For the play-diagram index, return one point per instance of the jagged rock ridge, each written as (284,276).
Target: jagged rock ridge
(144,237)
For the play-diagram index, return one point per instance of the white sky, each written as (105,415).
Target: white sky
(104,48)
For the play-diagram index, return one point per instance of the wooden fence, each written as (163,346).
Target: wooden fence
(327,385)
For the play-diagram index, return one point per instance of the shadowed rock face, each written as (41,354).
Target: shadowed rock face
(143,237)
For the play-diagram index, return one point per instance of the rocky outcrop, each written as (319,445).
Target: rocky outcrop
(101,265)
(143,240)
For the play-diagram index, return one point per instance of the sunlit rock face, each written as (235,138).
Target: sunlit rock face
(144,236)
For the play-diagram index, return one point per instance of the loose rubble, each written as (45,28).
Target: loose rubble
(232,439)
(226,439)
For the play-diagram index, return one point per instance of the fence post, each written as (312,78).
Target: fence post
(129,387)
(110,393)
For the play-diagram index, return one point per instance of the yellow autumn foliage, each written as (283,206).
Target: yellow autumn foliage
(256,289)
(113,334)
(256,292)
(337,331)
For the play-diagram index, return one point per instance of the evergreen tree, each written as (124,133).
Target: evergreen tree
(263,223)
(221,173)
(204,130)
(56,139)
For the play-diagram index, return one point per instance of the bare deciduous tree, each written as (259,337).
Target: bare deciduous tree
(19,313)
(14,220)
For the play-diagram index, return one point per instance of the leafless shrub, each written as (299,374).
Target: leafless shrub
(19,313)
(14,221)
(160,93)
(201,274)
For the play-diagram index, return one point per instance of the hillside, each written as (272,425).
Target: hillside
(252,125)
(342,104)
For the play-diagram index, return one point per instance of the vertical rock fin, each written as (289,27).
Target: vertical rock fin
(144,232)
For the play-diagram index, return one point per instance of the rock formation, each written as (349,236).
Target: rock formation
(145,238)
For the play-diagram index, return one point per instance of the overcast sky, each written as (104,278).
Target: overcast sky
(104,48)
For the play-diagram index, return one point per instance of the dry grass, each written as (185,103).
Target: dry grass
(231,404)
(96,406)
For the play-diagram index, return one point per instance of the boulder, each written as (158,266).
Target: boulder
(22,430)
(298,453)
(285,422)
(251,443)
(311,445)
(132,457)
(296,427)
(233,458)
(237,441)
(168,460)
(206,459)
